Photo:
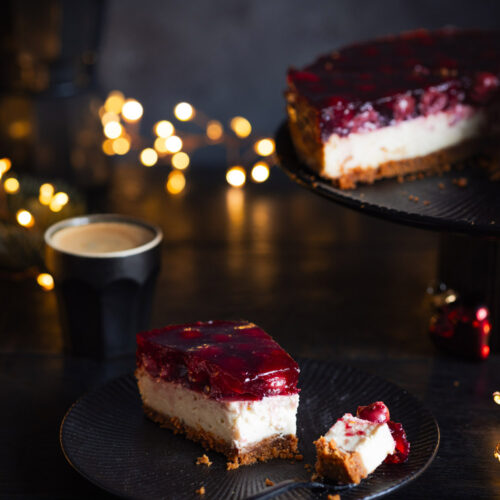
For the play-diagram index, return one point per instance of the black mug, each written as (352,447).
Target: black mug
(104,297)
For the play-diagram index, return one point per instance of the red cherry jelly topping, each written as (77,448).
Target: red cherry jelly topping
(378,83)
(376,412)
(379,413)
(402,451)
(224,359)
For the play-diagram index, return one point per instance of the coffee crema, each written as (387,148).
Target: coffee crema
(101,238)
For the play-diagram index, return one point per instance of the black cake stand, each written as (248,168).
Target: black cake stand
(463,205)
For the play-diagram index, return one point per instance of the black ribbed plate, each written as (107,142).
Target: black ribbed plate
(474,209)
(108,440)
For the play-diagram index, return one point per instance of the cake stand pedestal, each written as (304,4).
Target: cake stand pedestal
(463,205)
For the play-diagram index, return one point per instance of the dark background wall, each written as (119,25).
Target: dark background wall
(230,57)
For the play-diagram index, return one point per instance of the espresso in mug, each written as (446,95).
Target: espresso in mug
(105,268)
(100,238)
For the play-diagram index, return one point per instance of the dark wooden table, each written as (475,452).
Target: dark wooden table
(326,282)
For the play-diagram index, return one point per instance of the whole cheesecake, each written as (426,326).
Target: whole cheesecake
(225,384)
(397,105)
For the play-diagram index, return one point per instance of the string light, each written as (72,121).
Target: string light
(176,182)
(214,130)
(113,130)
(148,157)
(46,192)
(173,144)
(160,145)
(46,281)
(236,176)
(132,110)
(184,111)
(180,160)
(58,201)
(107,147)
(260,172)
(11,185)
(164,128)
(109,117)
(5,165)
(114,102)
(121,146)
(24,218)
(264,147)
(496,397)
(241,126)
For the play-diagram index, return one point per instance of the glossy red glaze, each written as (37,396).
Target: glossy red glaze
(402,451)
(224,359)
(379,413)
(376,412)
(378,83)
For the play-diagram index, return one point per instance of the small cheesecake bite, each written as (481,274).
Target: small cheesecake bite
(352,449)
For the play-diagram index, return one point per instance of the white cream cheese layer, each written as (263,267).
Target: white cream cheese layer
(408,139)
(372,441)
(240,423)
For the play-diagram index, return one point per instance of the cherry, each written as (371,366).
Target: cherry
(433,101)
(404,107)
(376,412)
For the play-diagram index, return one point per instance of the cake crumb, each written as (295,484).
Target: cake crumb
(461,182)
(269,482)
(441,185)
(400,179)
(308,467)
(333,497)
(315,476)
(426,202)
(299,457)
(232,465)
(201,491)
(203,460)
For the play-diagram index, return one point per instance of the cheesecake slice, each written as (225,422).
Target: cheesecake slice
(398,105)
(356,445)
(225,384)
(352,449)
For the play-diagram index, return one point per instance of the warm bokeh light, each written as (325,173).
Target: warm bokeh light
(109,117)
(46,193)
(214,130)
(184,111)
(164,129)
(176,182)
(46,281)
(107,147)
(496,397)
(19,129)
(236,176)
(58,201)
(148,157)
(241,126)
(114,102)
(160,145)
(496,453)
(113,130)
(264,147)
(180,160)
(11,185)
(132,110)
(5,165)
(173,144)
(24,218)
(121,146)
(260,171)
